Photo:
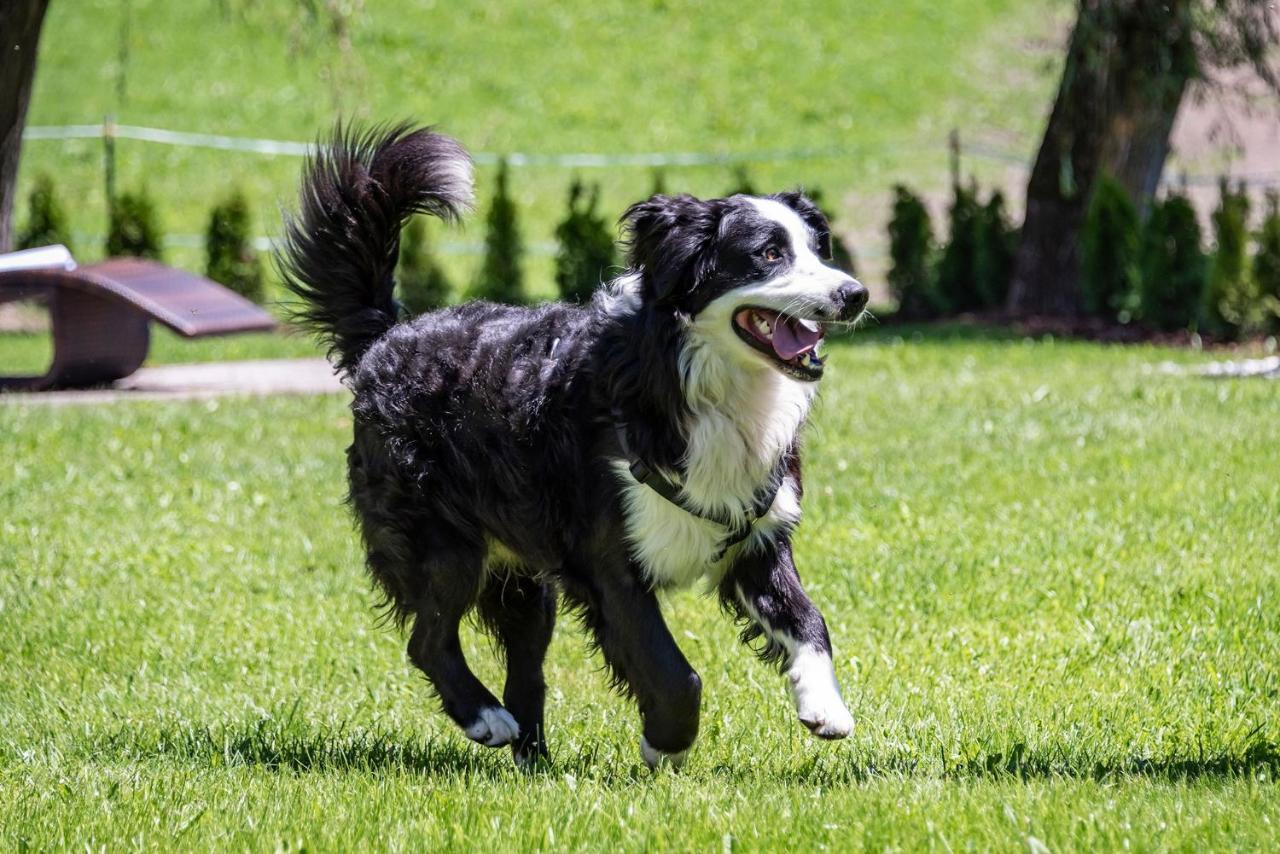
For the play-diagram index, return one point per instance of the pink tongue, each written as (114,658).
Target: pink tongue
(790,339)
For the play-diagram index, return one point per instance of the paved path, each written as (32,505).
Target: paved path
(195,382)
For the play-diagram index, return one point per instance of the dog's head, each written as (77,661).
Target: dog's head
(747,271)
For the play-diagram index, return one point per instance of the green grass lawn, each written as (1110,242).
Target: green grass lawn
(23,353)
(884,80)
(1050,575)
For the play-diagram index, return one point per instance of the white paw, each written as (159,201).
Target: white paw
(494,728)
(817,695)
(655,758)
(831,722)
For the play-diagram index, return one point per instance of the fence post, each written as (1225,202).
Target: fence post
(109,161)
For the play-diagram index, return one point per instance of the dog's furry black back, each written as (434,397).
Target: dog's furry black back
(341,249)
(474,423)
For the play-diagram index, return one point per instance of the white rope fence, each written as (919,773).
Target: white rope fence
(289,148)
(292,148)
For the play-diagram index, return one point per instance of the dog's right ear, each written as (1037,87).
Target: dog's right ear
(668,241)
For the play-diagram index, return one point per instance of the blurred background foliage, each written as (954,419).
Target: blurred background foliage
(882,82)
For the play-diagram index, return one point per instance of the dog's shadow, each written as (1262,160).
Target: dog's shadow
(291,746)
(1256,758)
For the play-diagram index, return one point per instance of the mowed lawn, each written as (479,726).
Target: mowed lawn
(1050,571)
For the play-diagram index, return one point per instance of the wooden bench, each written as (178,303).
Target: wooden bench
(101,315)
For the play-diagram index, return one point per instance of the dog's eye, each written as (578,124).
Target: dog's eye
(771,254)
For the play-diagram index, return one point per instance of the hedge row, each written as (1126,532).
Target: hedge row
(1160,273)
(1154,270)
(586,254)
(970,272)
(134,229)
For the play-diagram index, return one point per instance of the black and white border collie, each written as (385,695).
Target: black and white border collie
(505,458)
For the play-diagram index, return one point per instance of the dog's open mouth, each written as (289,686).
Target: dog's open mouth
(792,343)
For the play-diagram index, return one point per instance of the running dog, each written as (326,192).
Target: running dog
(505,458)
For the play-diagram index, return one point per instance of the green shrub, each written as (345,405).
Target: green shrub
(1266,263)
(958,266)
(842,257)
(1109,272)
(742,184)
(46,218)
(1231,304)
(586,249)
(134,227)
(911,253)
(659,182)
(421,283)
(229,248)
(501,277)
(997,246)
(1171,265)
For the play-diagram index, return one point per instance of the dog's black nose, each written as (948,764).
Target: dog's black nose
(851,298)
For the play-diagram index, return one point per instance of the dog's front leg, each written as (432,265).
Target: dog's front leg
(764,589)
(624,615)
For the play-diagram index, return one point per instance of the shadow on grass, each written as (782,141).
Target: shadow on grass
(293,746)
(1258,758)
(289,745)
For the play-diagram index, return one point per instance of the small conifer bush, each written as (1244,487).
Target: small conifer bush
(501,274)
(1232,306)
(742,183)
(421,283)
(1171,265)
(229,248)
(1266,262)
(842,255)
(1110,248)
(911,255)
(957,281)
(659,187)
(586,245)
(46,218)
(997,245)
(134,227)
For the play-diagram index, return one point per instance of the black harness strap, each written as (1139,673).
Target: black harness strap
(738,529)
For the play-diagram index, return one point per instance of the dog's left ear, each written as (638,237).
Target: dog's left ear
(812,216)
(668,240)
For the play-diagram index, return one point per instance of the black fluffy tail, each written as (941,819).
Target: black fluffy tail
(340,249)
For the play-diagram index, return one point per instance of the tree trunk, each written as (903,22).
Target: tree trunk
(1126,71)
(20,22)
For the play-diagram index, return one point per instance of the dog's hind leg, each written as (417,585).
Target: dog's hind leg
(452,587)
(763,589)
(627,622)
(520,613)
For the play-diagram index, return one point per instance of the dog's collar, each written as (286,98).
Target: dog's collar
(738,528)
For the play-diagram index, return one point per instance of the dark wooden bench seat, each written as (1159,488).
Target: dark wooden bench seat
(101,313)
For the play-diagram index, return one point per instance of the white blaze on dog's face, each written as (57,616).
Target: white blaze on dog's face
(773,292)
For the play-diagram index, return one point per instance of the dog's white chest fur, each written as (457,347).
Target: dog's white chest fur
(744,418)
(676,548)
